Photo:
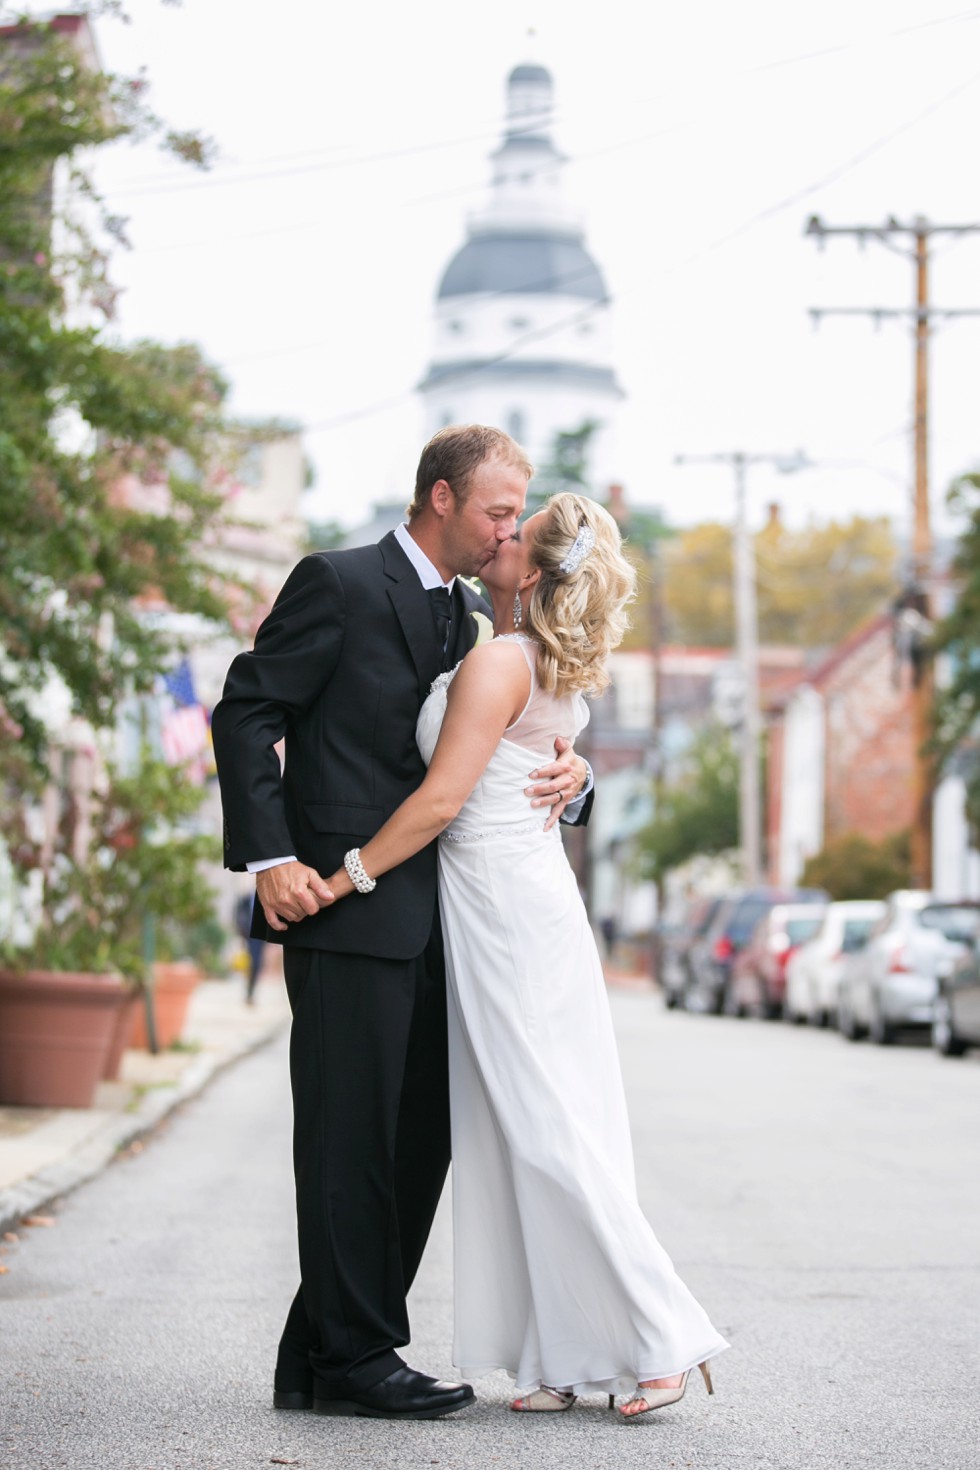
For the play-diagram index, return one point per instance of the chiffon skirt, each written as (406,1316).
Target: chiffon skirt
(559,1278)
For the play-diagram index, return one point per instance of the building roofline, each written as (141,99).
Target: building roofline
(848,646)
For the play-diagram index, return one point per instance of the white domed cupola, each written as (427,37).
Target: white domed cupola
(522,335)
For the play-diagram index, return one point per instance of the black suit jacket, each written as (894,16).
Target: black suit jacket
(340,668)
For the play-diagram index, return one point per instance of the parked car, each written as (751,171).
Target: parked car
(956,1008)
(758,983)
(891,984)
(712,955)
(675,978)
(813,972)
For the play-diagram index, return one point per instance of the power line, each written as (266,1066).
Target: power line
(382,405)
(837,173)
(537,334)
(787,202)
(146,185)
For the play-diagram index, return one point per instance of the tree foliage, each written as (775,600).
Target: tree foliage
(814,586)
(852,866)
(699,814)
(957,640)
(84,418)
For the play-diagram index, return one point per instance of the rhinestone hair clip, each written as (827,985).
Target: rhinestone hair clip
(580,548)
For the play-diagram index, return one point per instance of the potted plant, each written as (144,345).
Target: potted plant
(70,986)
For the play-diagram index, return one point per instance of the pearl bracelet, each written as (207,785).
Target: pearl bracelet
(356,873)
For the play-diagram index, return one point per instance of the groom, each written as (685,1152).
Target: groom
(340,668)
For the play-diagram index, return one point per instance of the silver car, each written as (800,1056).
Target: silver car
(813,973)
(890,985)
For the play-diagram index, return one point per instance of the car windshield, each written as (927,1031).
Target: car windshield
(856,932)
(703,924)
(953,921)
(800,930)
(745,918)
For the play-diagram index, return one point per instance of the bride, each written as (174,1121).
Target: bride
(559,1278)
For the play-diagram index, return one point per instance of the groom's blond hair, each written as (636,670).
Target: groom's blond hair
(455,452)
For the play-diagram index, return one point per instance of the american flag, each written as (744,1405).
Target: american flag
(184,732)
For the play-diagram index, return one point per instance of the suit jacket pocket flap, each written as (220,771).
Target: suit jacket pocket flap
(332,816)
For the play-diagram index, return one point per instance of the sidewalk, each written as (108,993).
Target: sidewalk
(44,1152)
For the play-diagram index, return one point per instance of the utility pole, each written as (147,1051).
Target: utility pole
(654,566)
(916,599)
(747,648)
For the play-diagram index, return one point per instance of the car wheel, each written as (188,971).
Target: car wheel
(847,1026)
(731,1005)
(882,1033)
(944,1037)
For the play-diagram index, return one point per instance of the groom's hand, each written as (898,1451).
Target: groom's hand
(290,892)
(559,783)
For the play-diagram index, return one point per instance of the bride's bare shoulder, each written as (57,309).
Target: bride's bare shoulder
(491,668)
(498,653)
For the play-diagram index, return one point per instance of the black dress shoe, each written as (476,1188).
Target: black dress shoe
(291,1399)
(404,1394)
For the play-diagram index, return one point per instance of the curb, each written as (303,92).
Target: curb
(39,1190)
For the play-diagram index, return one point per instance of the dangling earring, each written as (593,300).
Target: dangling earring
(518,611)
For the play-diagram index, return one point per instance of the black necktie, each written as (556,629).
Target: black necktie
(442,614)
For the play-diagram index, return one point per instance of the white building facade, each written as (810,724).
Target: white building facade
(522,330)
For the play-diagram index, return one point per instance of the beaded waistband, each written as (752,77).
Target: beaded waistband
(489,833)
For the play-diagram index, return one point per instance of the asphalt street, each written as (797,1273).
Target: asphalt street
(821,1199)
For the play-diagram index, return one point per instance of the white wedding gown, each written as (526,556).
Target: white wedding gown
(559,1278)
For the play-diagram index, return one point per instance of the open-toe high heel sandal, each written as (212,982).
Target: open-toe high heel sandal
(659,1398)
(544,1400)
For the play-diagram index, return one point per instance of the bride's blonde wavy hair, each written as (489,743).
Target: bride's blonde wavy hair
(578,616)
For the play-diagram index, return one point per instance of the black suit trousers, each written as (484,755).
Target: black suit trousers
(371,1144)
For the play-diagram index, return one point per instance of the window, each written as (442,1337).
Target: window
(515,424)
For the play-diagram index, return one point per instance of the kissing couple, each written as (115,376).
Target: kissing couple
(446,991)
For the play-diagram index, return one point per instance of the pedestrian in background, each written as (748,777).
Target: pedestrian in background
(255,948)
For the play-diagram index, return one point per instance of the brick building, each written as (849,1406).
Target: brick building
(841,751)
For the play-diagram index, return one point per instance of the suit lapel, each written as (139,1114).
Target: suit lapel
(411,605)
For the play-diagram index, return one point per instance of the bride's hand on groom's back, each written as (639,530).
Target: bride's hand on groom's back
(291,892)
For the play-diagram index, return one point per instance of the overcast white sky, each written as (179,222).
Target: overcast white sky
(354,139)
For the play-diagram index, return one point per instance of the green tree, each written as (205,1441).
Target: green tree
(699,812)
(957,642)
(814,586)
(82,416)
(852,866)
(567,465)
(323,535)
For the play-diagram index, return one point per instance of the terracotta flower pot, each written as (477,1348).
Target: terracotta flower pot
(122,1028)
(55,1031)
(174,982)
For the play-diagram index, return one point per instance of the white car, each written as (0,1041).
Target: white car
(813,973)
(891,983)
